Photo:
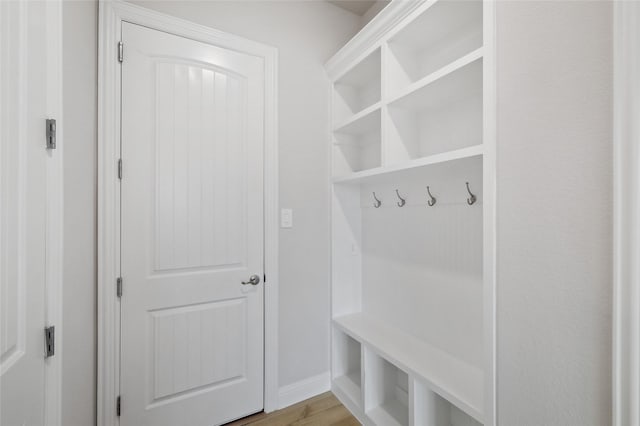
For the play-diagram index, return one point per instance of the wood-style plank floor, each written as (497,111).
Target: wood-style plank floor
(321,410)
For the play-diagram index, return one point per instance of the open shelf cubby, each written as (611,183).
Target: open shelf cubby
(358,88)
(445,114)
(347,367)
(357,143)
(386,391)
(430,409)
(444,32)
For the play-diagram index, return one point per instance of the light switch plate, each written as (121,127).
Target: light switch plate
(286,218)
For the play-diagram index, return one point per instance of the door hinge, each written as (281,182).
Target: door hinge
(120,168)
(120,51)
(118,406)
(49,341)
(119,286)
(51,133)
(264,278)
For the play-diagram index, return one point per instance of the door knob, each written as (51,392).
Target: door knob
(253,280)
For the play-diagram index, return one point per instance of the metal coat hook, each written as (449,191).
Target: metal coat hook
(472,198)
(377,203)
(402,201)
(433,200)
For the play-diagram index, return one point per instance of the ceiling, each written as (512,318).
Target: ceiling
(359,7)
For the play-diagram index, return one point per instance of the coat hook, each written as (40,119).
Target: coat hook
(377,203)
(433,200)
(402,201)
(472,198)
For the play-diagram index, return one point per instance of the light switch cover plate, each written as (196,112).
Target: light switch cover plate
(286,218)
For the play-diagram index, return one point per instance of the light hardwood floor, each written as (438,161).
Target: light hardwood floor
(321,410)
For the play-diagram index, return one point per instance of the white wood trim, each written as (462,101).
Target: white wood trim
(626,249)
(55,217)
(304,389)
(489,250)
(271,229)
(112,14)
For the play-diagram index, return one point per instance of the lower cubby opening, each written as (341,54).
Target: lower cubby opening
(347,363)
(386,391)
(430,409)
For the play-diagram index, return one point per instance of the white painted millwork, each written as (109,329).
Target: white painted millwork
(192,230)
(30,212)
(413,283)
(626,333)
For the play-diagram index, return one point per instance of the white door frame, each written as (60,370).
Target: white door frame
(112,14)
(626,240)
(55,214)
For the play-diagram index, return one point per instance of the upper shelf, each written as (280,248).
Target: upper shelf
(456,381)
(469,78)
(363,122)
(374,173)
(457,80)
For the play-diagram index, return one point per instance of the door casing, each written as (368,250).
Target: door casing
(111,16)
(626,215)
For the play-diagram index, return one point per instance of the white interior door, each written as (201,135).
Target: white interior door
(23,162)
(192,231)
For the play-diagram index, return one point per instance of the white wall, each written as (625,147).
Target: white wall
(79,286)
(554,213)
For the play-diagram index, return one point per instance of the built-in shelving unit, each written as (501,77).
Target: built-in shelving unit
(412,216)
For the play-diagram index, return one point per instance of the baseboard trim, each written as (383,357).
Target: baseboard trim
(304,389)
